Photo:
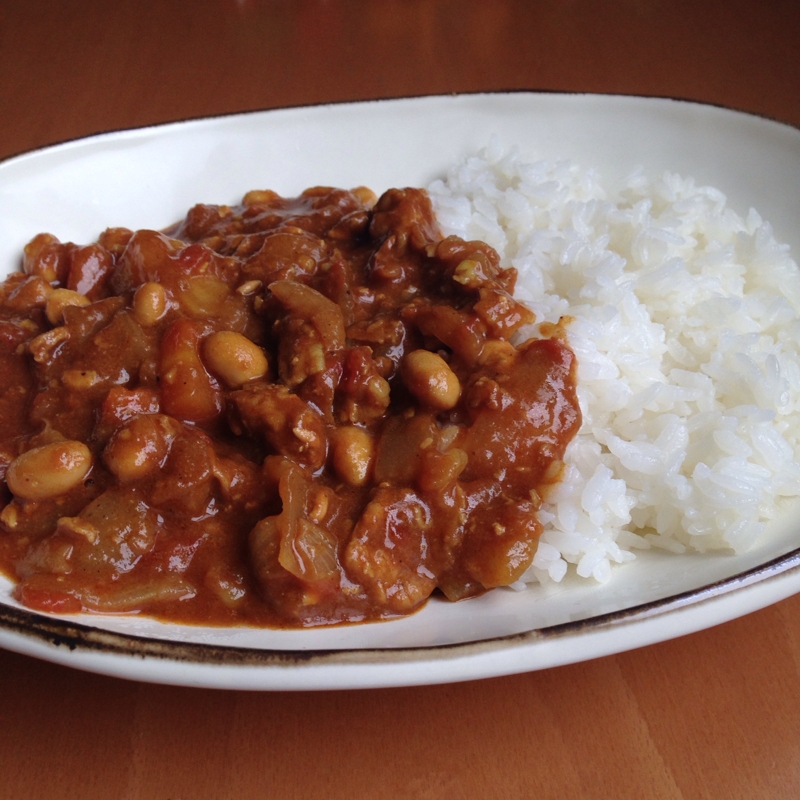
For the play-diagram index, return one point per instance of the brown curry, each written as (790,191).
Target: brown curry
(290,412)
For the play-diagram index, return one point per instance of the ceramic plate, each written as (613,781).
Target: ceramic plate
(150,177)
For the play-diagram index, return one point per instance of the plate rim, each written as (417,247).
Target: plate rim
(183,121)
(63,637)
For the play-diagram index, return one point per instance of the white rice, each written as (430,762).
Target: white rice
(686,330)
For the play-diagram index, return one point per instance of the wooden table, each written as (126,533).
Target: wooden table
(715,714)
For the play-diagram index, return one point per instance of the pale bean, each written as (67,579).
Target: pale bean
(49,471)
(367,197)
(234,358)
(149,303)
(429,378)
(45,256)
(140,447)
(353,452)
(259,197)
(58,300)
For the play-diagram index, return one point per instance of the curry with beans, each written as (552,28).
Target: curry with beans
(289,412)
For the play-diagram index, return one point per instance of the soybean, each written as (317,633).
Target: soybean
(140,447)
(49,471)
(429,378)
(234,358)
(149,303)
(353,451)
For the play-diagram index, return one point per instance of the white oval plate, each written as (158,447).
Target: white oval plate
(150,177)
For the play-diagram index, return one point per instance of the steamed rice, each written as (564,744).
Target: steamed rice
(685,323)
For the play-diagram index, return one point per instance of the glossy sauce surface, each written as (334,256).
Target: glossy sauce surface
(290,412)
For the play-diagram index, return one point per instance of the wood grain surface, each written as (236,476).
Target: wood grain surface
(712,715)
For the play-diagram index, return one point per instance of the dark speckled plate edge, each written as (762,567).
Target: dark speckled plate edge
(66,634)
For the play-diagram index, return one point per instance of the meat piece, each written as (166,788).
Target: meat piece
(389,552)
(523,416)
(287,423)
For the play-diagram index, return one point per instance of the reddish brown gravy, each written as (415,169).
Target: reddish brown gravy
(290,412)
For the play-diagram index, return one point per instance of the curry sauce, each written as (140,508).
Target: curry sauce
(290,412)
